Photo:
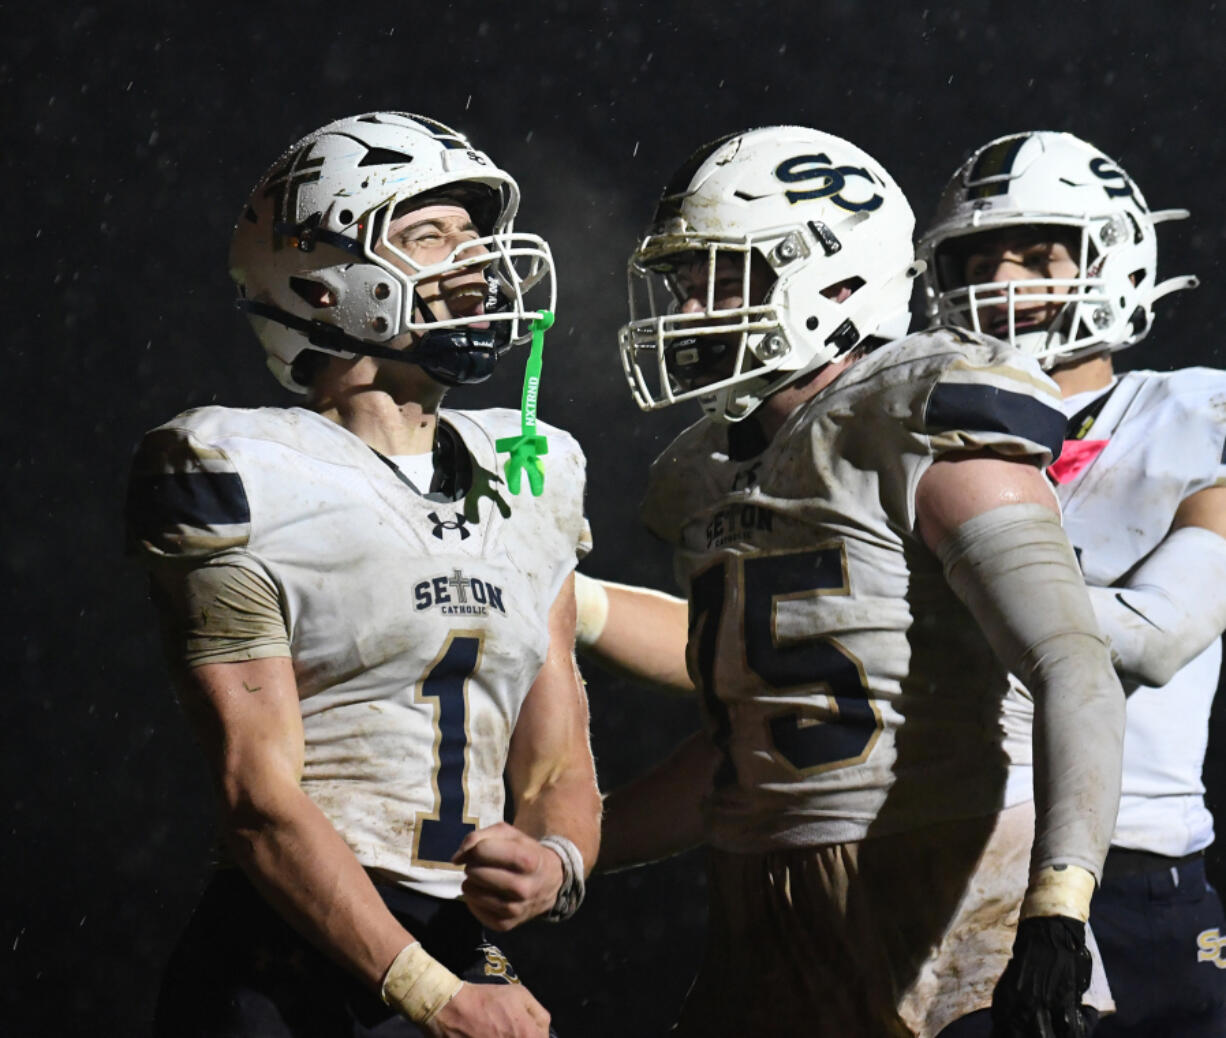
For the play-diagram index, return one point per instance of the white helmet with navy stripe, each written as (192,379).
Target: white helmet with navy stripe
(309,276)
(1055,181)
(809,208)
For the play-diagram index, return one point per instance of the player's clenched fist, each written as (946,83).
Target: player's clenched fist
(509,876)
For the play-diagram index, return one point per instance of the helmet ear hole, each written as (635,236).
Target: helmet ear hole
(843,290)
(313,293)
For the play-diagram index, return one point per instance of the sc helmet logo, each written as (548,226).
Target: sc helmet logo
(800,168)
(1117,185)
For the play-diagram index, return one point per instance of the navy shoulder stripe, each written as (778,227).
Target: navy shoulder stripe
(958,405)
(160,502)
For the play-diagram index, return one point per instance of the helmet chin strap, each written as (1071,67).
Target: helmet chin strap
(452,356)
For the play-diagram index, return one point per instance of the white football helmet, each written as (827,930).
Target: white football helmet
(303,253)
(1059,181)
(813,210)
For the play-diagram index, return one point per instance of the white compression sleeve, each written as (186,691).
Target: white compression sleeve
(1169,610)
(1016,572)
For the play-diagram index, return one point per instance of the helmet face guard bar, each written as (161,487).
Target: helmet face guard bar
(453,350)
(1080,301)
(1082,305)
(662,350)
(450,356)
(512,262)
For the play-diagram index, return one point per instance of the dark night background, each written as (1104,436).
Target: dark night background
(134,133)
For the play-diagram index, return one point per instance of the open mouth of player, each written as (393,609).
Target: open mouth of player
(1028,319)
(703,360)
(467,300)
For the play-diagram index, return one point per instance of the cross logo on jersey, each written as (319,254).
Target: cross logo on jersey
(458,595)
(458,524)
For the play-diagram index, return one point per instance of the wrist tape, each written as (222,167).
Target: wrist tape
(591,610)
(1059,890)
(570,894)
(418,985)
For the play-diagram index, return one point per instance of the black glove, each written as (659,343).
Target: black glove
(1039,995)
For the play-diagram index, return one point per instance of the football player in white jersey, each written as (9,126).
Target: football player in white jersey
(1040,239)
(868,546)
(369,629)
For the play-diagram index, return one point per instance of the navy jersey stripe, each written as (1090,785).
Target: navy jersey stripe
(199,499)
(988,409)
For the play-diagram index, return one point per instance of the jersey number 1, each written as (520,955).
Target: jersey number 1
(439,837)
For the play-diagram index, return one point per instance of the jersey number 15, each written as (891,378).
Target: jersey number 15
(843,726)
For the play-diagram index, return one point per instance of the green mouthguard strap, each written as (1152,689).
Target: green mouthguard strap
(526,448)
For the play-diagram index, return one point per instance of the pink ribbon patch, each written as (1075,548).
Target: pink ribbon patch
(1075,458)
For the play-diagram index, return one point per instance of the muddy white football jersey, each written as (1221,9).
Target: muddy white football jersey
(416,623)
(1157,440)
(850,691)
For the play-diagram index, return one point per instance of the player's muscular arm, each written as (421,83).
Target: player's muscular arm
(1172,605)
(226,642)
(993,524)
(660,813)
(510,876)
(1205,509)
(634,631)
(247,718)
(959,487)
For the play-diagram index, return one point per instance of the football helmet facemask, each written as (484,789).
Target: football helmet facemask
(306,251)
(1061,188)
(818,233)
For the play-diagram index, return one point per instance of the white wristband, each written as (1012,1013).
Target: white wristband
(570,894)
(418,985)
(591,610)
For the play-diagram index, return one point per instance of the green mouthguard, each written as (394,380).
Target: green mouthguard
(526,448)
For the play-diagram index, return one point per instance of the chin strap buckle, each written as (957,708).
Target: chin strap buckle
(526,448)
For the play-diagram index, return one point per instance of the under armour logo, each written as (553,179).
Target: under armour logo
(440,526)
